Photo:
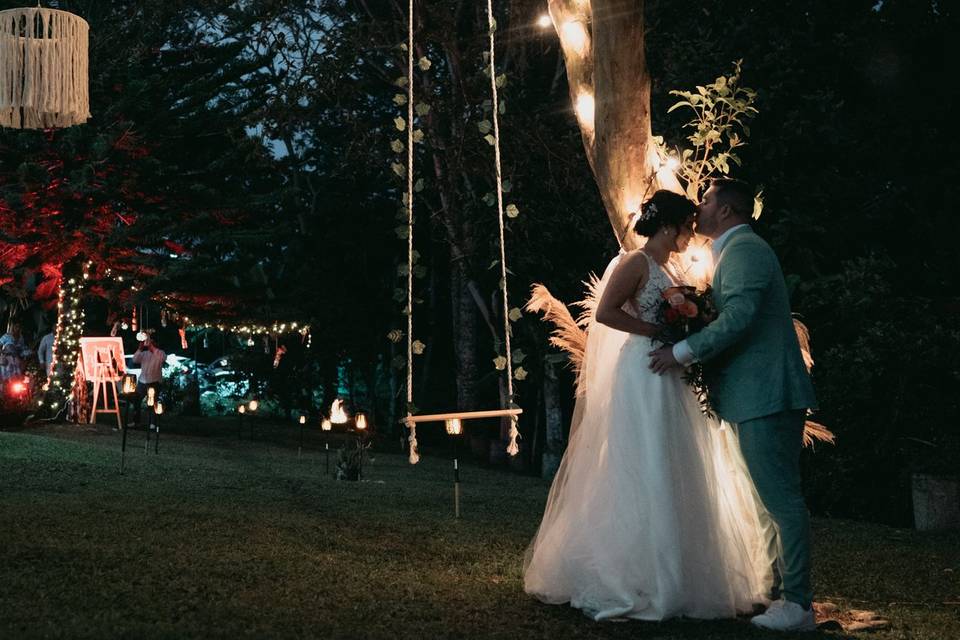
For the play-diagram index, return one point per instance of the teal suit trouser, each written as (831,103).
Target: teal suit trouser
(771,448)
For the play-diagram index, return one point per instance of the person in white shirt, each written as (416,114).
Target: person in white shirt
(151,360)
(45,352)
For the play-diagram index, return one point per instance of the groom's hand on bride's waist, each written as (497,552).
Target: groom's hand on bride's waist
(662,360)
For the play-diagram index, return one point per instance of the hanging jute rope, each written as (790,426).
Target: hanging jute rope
(43,69)
(414,455)
(510,412)
(512,449)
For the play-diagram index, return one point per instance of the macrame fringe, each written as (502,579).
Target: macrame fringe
(44,69)
(513,448)
(414,454)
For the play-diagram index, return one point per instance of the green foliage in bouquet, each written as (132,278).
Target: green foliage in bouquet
(684,311)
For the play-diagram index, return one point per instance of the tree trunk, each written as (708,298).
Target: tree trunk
(464,338)
(553,417)
(603,46)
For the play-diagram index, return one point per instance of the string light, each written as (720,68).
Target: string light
(253,329)
(585,109)
(574,35)
(66,338)
(544,21)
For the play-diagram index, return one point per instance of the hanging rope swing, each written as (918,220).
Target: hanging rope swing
(43,69)
(411,420)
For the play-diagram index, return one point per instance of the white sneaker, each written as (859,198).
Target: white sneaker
(784,615)
(776,604)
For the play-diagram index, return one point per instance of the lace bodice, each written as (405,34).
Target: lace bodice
(647,298)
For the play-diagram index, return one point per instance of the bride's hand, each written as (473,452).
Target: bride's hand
(662,360)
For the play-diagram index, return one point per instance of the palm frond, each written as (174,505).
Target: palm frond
(803,336)
(588,305)
(813,431)
(567,334)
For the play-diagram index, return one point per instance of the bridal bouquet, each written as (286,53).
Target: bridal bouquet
(683,311)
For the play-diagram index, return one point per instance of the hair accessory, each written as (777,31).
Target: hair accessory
(647,212)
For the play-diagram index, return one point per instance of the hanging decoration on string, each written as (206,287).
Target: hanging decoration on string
(44,68)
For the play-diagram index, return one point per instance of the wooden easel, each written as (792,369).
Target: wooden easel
(105,377)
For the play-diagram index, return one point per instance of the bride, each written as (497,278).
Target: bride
(652,513)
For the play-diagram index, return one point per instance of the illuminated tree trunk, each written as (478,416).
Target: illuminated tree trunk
(603,47)
(66,343)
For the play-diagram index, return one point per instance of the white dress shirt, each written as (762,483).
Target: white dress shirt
(681,351)
(45,352)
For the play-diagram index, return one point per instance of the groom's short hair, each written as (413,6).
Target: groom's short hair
(735,193)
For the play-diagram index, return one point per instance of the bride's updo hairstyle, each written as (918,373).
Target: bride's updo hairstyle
(664,209)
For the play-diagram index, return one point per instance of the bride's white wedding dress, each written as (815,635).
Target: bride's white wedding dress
(652,514)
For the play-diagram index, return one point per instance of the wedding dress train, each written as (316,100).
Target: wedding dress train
(652,513)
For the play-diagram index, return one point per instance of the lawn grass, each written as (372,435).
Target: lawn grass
(220,538)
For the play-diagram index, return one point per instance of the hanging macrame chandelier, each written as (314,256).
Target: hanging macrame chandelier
(43,69)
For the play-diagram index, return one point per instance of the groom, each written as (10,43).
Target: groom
(757,380)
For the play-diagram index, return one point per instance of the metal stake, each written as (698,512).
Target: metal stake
(456,480)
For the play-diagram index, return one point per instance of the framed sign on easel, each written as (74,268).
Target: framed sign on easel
(102,361)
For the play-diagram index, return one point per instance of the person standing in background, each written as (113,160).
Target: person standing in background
(151,360)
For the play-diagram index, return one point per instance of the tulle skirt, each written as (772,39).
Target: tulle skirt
(652,514)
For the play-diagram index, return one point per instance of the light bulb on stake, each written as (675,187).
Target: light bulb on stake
(454,426)
(338,414)
(253,405)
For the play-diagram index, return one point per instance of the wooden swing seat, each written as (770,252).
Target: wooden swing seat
(461,415)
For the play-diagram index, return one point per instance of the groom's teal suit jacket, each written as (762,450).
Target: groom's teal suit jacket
(752,361)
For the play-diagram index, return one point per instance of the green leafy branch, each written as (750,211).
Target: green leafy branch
(721,111)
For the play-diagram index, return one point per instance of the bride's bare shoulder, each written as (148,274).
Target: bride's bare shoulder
(634,261)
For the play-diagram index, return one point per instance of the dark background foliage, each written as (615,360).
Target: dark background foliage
(256,136)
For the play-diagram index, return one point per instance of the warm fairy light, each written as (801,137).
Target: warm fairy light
(326,425)
(361,422)
(151,396)
(697,263)
(672,163)
(574,35)
(454,426)
(544,21)
(253,405)
(242,409)
(585,109)
(303,419)
(338,415)
(250,342)
(141,336)
(158,409)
